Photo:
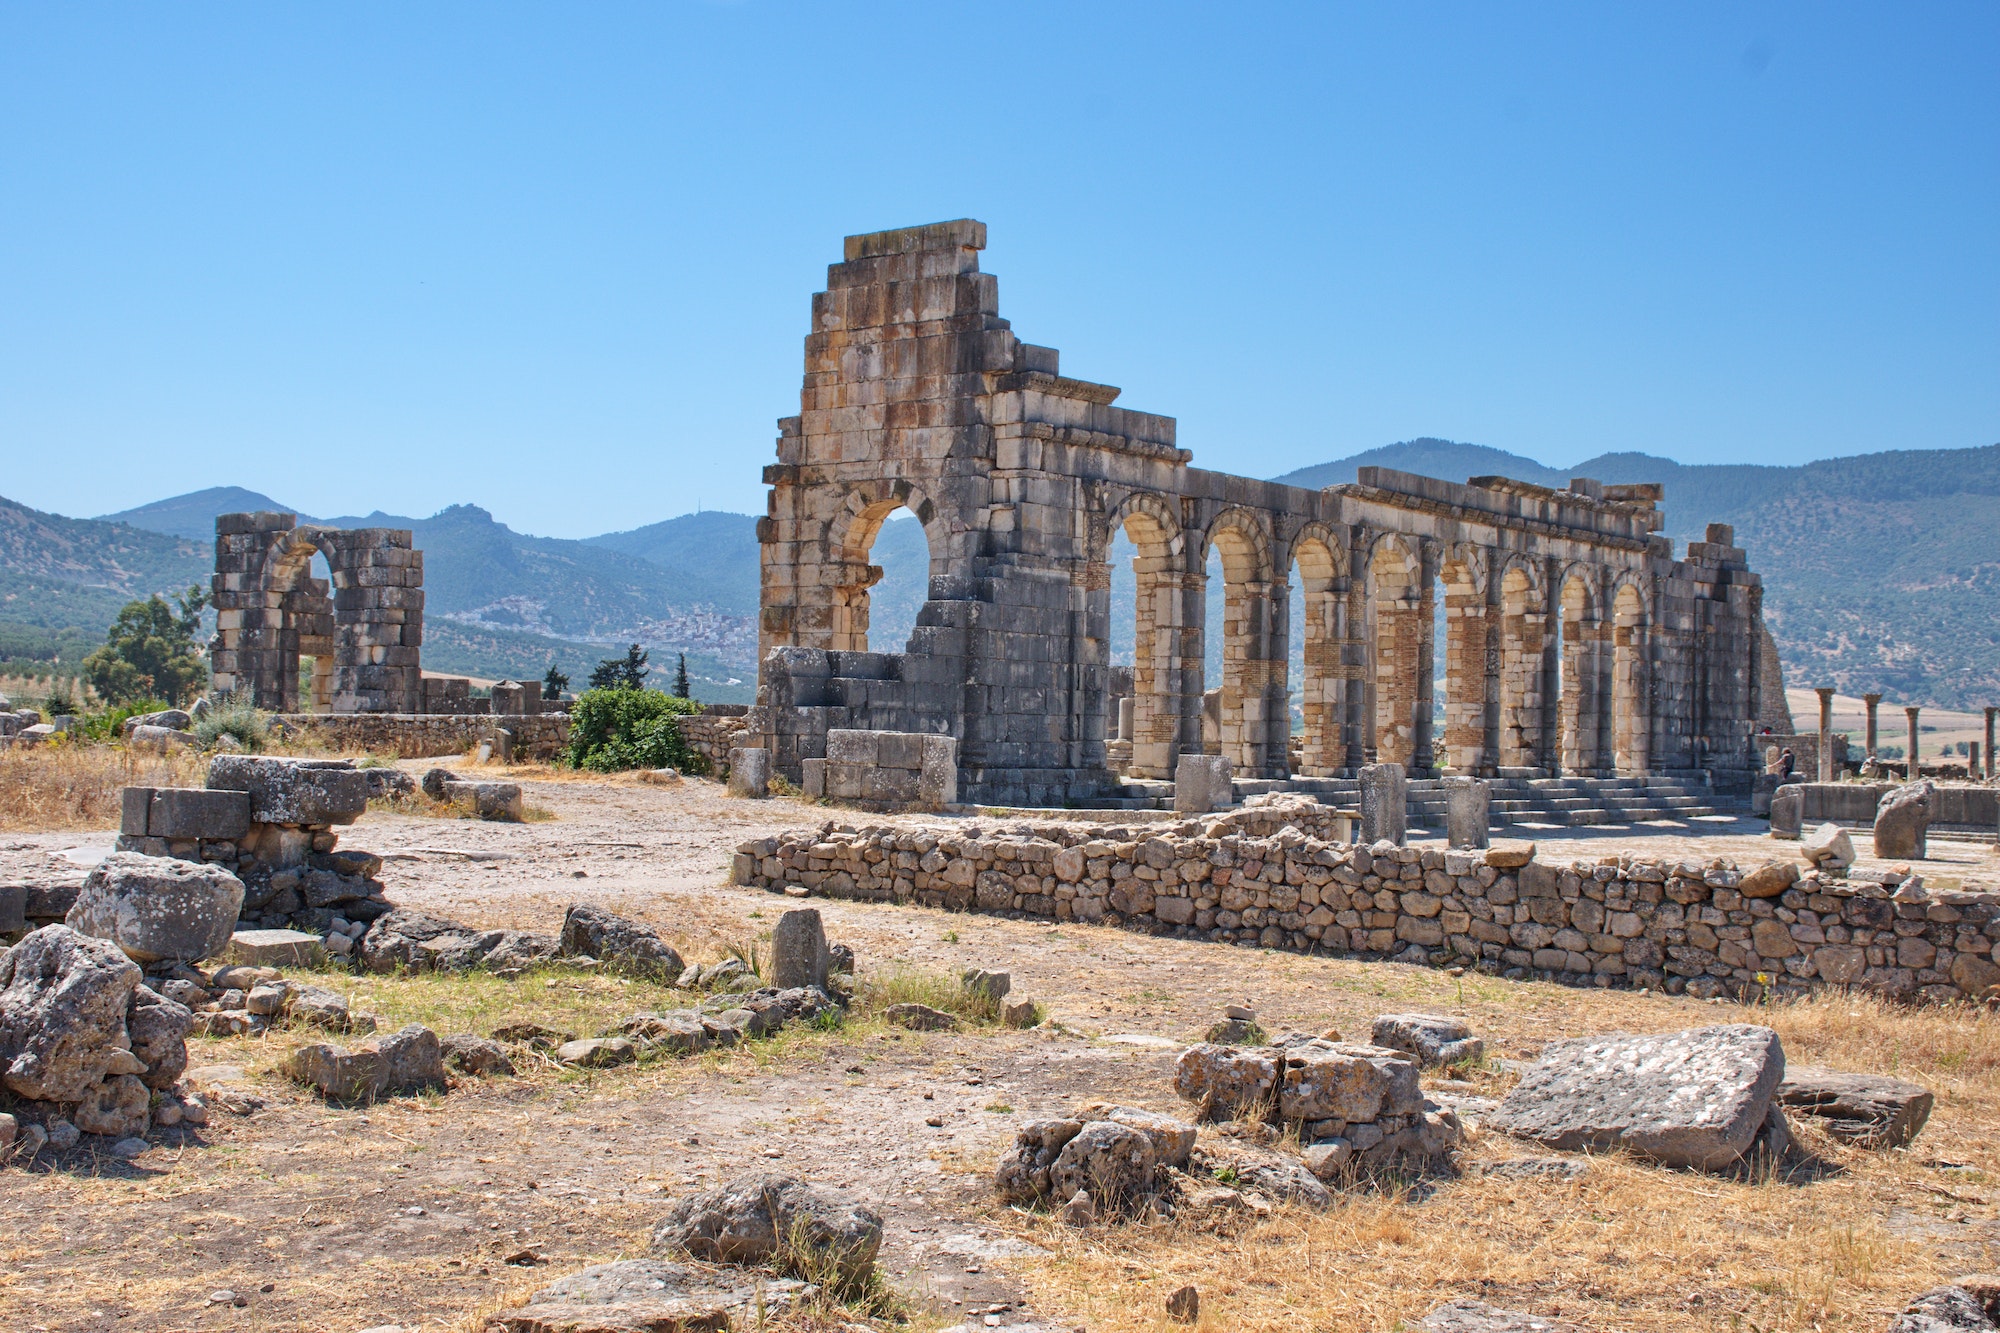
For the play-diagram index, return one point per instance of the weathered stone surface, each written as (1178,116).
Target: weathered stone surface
(157,908)
(621,944)
(1769,880)
(116,1108)
(1510,854)
(920,1017)
(63,1003)
(1696,1098)
(1112,1162)
(1433,1038)
(653,1296)
(1022,1175)
(1384,804)
(293,791)
(987,982)
(1172,1139)
(188,812)
(1869,1110)
(410,939)
(1903,821)
(1467,802)
(1479,1317)
(407,1060)
(158,1029)
(1203,783)
(598,1052)
(470,1053)
(1950,1309)
(1227,1082)
(750,772)
(798,949)
(1345,1081)
(1829,847)
(1788,807)
(745,1221)
(274,948)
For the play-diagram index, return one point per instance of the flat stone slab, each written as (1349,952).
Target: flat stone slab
(1695,1098)
(274,948)
(1479,1317)
(1867,1110)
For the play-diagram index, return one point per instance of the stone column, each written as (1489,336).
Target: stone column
(1466,804)
(1911,712)
(1384,804)
(1423,750)
(1873,701)
(1825,733)
(1989,740)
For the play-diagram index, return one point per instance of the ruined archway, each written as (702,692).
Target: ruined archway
(1578,626)
(1320,564)
(854,541)
(1159,633)
(1520,682)
(1397,608)
(1461,657)
(1251,719)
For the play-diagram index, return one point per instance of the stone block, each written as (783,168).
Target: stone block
(274,948)
(1466,803)
(157,908)
(812,779)
(937,780)
(798,950)
(212,816)
(1203,783)
(1384,804)
(1868,1110)
(750,772)
(1788,810)
(1903,820)
(293,791)
(135,805)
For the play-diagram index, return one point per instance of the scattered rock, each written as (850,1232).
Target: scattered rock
(1479,1317)
(1903,821)
(1078,1211)
(1432,1038)
(1537,1168)
(1867,1110)
(1266,1171)
(744,1222)
(1184,1305)
(920,1018)
(1828,847)
(620,944)
(986,982)
(1696,1098)
(532,1035)
(598,1052)
(1112,1162)
(1509,854)
(63,1003)
(799,950)
(274,948)
(1019,1014)
(158,1029)
(156,907)
(1228,1082)
(650,1295)
(1022,1175)
(1952,1309)
(479,1056)
(409,1060)
(1329,1159)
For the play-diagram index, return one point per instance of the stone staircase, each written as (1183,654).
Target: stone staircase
(1554,802)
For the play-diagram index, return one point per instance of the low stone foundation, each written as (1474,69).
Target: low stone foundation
(432,735)
(1707,928)
(714,732)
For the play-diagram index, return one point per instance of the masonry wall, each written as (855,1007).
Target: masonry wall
(1627,921)
(432,735)
(917,394)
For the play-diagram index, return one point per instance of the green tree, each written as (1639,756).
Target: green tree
(681,678)
(622,673)
(618,729)
(151,651)
(554,683)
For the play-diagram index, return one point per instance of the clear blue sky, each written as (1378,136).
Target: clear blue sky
(556,259)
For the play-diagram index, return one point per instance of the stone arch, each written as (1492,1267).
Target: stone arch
(1161,680)
(1463,575)
(1518,601)
(1579,622)
(1252,719)
(1321,561)
(850,543)
(1631,619)
(307,622)
(1397,603)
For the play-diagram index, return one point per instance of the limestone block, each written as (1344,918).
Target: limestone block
(1384,804)
(274,948)
(157,908)
(1903,820)
(750,772)
(798,950)
(1203,783)
(1829,847)
(1788,805)
(1870,1110)
(293,791)
(217,816)
(937,781)
(1466,806)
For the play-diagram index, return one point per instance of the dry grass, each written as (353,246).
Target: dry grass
(1836,1245)
(59,786)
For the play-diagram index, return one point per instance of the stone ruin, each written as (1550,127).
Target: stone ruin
(1576,641)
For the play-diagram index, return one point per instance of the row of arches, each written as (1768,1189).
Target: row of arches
(1332,649)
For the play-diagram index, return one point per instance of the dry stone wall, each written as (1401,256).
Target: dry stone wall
(433,735)
(1704,927)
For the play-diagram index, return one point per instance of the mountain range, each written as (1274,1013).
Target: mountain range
(1882,571)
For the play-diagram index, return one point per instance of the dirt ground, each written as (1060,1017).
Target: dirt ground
(407,1212)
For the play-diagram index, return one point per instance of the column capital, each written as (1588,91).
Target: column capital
(1825,693)
(1872,699)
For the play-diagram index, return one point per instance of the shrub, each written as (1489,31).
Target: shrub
(616,729)
(150,650)
(232,717)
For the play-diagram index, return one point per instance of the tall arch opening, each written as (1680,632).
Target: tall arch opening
(887,563)
(316,650)
(1395,605)
(1628,682)
(306,636)
(1243,667)
(1460,686)
(1521,633)
(1146,636)
(1576,655)
(1318,624)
